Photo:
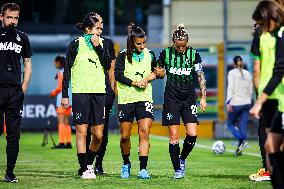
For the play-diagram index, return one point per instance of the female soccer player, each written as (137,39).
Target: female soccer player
(239,94)
(134,71)
(181,63)
(86,64)
(270,18)
(263,54)
(64,129)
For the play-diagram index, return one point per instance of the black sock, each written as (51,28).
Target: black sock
(91,157)
(143,162)
(126,159)
(82,159)
(188,145)
(261,141)
(174,153)
(277,175)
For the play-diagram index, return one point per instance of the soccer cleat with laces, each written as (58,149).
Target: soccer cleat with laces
(100,171)
(179,174)
(241,146)
(143,174)
(125,171)
(261,175)
(182,165)
(10,177)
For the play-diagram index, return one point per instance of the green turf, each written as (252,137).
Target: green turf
(43,167)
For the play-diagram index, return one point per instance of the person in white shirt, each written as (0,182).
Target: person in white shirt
(239,96)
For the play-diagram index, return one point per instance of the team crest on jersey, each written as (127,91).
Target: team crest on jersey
(187,62)
(18,37)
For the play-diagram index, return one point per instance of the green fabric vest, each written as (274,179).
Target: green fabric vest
(280,97)
(267,45)
(136,72)
(280,88)
(87,73)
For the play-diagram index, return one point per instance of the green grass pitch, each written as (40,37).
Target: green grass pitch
(43,167)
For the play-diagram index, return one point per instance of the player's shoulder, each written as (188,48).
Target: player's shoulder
(21,35)
(280,32)
(107,40)
(122,53)
(75,42)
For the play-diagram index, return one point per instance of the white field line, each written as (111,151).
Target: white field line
(207,147)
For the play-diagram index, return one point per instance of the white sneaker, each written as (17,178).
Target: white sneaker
(89,173)
(91,168)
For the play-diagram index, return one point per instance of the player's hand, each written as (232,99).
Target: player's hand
(95,40)
(159,71)
(255,110)
(65,103)
(203,104)
(142,84)
(24,88)
(229,108)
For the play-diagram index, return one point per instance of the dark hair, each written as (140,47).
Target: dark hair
(180,33)
(61,59)
(236,59)
(133,32)
(9,6)
(89,21)
(280,2)
(266,11)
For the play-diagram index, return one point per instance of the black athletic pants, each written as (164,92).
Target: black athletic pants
(11,104)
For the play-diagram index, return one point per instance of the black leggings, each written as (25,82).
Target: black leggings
(11,104)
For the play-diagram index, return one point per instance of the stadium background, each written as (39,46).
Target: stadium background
(219,29)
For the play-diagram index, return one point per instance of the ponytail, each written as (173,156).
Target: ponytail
(130,45)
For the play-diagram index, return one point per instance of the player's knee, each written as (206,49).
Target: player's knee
(143,135)
(124,138)
(269,147)
(174,137)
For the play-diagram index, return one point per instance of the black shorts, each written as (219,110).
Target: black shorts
(173,111)
(277,124)
(179,102)
(269,108)
(139,110)
(88,108)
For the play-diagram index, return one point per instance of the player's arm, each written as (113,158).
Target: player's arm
(27,61)
(110,47)
(256,73)
(160,64)
(201,81)
(230,90)
(27,73)
(255,54)
(152,76)
(59,85)
(70,57)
